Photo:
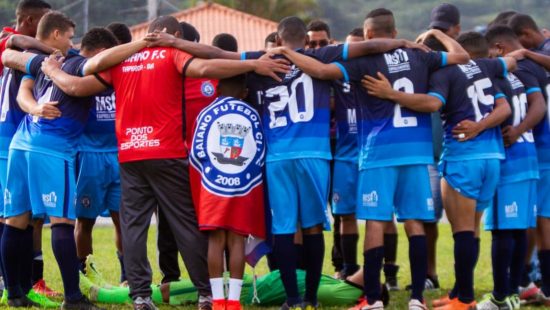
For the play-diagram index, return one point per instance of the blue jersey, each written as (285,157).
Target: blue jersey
(535,79)
(385,128)
(99,133)
(58,137)
(296,111)
(11,114)
(544,48)
(468,93)
(345,107)
(521,157)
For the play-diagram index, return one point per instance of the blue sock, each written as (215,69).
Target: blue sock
(418,256)
(314,249)
(27,255)
(518,260)
(12,240)
(502,247)
(544,260)
(64,249)
(285,251)
(122,271)
(371,274)
(465,259)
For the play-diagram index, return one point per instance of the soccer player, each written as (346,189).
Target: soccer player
(502,40)
(471,154)
(529,34)
(318,33)
(227,158)
(45,146)
(121,32)
(271,40)
(28,14)
(381,23)
(446,17)
(152,153)
(514,207)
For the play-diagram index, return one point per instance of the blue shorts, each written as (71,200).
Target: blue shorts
(514,206)
(39,183)
(403,190)
(435,185)
(475,179)
(543,193)
(298,193)
(3,177)
(97,184)
(344,187)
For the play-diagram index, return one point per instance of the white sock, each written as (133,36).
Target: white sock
(235,286)
(217,288)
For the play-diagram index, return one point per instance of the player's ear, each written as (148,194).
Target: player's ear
(278,40)
(370,34)
(178,34)
(394,33)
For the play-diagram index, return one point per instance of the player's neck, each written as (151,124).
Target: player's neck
(294,46)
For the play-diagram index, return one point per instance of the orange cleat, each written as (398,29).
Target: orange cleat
(456,304)
(219,304)
(441,301)
(41,288)
(233,305)
(364,305)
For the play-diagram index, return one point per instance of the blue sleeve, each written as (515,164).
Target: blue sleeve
(251,55)
(34,64)
(439,86)
(329,54)
(496,67)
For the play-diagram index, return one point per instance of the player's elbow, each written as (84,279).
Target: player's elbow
(433,105)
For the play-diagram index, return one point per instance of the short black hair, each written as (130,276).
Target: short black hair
(436,45)
(502,18)
(97,38)
(271,38)
(475,43)
(382,20)
(121,31)
(500,32)
(519,22)
(52,21)
(237,82)
(169,23)
(189,32)
(318,25)
(292,29)
(226,41)
(24,5)
(379,12)
(357,32)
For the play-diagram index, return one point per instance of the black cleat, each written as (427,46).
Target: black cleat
(81,304)
(22,302)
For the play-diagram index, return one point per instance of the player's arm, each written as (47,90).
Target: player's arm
(382,88)
(536,109)
(17,60)
(223,68)
(28,104)
(25,42)
(310,65)
(468,129)
(196,49)
(541,59)
(71,85)
(375,46)
(112,57)
(456,54)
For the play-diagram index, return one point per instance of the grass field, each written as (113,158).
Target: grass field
(108,264)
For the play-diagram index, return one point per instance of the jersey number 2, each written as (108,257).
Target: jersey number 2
(404,85)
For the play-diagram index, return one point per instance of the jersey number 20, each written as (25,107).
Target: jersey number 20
(280,97)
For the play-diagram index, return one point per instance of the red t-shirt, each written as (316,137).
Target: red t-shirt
(199,93)
(149,113)
(3,45)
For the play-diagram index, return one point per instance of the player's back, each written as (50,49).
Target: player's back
(521,157)
(99,132)
(58,136)
(10,114)
(385,128)
(468,94)
(295,114)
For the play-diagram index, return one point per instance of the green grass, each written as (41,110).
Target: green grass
(108,264)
